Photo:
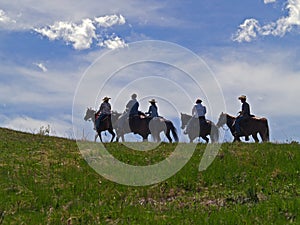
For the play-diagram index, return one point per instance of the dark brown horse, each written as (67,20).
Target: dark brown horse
(193,129)
(250,126)
(140,125)
(155,126)
(106,123)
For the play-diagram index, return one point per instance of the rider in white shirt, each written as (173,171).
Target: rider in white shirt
(199,110)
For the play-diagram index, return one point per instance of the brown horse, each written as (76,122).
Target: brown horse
(140,125)
(193,130)
(144,126)
(106,123)
(250,126)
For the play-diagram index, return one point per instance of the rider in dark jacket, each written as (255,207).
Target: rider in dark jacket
(133,106)
(153,110)
(244,114)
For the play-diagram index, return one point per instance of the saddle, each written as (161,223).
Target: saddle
(104,118)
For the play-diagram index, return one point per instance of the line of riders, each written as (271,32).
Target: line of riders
(203,128)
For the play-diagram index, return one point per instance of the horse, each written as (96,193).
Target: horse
(122,127)
(139,124)
(106,124)
(159,124)
(193,129)
(250,126)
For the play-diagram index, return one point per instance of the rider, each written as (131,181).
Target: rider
(153,110)
(132,106)
(244,114)
(131,110)
(104,110)
(199,111)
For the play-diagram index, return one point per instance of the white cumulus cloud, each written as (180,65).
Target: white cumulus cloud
(113,43)
(82,35)
(251,28)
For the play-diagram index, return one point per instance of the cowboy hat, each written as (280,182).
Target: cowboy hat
(152,100)
(242,97)
(105,98)
(198,100)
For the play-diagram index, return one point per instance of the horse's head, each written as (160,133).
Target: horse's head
(184,119)
(89,114)
(115,116)
(222,120)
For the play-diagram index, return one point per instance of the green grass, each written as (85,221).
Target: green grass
(45,180)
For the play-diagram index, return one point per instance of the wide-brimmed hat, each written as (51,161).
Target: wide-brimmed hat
(105,98)
(152,100)
(242,97)
(198,100)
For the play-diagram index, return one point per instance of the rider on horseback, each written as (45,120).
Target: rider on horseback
(132,106)
(104,110)
(153,110)
(244,114)
(199,112)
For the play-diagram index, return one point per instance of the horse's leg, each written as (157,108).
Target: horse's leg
(145,138)
(191,138)
(158,138)
(99,134)
(236,139)
(96,135)
(255,137)
(111,131)
(167,133)
(205,138)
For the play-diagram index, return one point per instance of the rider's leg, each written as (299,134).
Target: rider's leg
(237,125)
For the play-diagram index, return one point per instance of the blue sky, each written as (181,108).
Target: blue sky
(251,47)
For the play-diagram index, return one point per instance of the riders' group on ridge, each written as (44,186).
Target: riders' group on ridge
(198,111)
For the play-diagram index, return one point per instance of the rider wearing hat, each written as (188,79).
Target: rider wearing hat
(153,110)
(104,110)
(199,110)
(244,114)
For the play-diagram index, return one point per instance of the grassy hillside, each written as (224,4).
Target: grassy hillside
(44,180)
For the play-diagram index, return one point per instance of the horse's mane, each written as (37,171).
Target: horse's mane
(230,116)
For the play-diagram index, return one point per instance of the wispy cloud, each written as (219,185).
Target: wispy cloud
(251,28)
(269,1)
(41,66)
(108,21)
(82,35)
(4,18)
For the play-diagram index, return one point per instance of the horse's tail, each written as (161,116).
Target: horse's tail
(214,133)
(174,131)
(267,134)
